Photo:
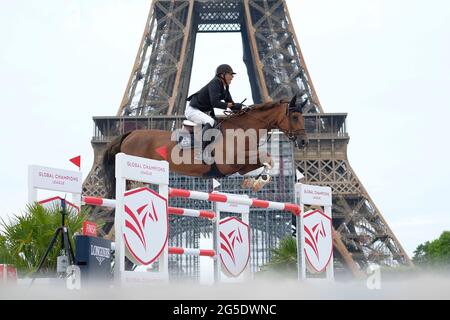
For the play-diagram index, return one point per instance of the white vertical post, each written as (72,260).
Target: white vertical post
(301,236)
(301,267)
(76,199)
(244,210)
(164,257)
(147,171)
(330,267)
(311,195)
(32,191)
(216,244)
(247,274)
(119,267)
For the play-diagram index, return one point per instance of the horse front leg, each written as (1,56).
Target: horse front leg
(262,179)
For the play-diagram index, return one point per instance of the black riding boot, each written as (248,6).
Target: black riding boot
(204,142)
(205,128)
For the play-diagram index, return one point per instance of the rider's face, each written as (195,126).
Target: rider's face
(228,78)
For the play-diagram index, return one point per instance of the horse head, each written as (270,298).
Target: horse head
(294,127)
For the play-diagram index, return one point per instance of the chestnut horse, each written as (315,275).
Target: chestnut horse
(283,115)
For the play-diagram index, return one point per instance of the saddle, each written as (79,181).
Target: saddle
(186,139)
(185,136)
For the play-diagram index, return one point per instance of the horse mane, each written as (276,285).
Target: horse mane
(255,107)
(267,105)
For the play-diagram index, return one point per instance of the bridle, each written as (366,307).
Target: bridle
(290,133)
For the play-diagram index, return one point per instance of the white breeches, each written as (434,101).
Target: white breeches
(198,117)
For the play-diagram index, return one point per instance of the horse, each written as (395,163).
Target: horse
(283,115)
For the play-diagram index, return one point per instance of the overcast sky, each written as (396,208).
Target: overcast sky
(385,63)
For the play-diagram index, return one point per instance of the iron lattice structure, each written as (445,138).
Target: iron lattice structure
(155,98)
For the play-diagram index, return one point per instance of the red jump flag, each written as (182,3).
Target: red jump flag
(76,161)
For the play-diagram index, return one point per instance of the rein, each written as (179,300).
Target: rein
(231,115)
(291,134)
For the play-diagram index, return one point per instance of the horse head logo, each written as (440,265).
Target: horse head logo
(312,236)
(229,241)
(145,225)
(234,245)
(318,239)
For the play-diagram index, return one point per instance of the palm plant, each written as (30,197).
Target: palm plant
(25,238)
(284,258)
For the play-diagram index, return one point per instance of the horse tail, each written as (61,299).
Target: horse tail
(109,164)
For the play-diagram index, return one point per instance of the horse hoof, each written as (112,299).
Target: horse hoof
(261,182)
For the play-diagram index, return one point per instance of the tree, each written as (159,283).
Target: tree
(434,253)
(25,238)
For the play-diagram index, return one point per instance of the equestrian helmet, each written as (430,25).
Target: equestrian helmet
(224,68)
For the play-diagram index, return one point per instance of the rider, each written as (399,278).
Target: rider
(211,96)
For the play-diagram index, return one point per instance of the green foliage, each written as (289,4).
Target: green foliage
(284,258)
(435,253)
(24,238)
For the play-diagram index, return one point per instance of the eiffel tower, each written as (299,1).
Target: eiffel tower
(155,98)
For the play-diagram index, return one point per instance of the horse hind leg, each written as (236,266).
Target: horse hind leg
(263,178)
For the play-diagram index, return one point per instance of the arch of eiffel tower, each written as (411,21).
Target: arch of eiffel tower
(155,98)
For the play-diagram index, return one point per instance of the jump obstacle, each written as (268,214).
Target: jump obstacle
(157,172)
(111,203)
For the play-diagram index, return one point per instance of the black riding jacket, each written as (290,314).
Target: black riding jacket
(211,96)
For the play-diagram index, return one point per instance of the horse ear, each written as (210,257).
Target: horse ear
(292,103)
(303,104)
